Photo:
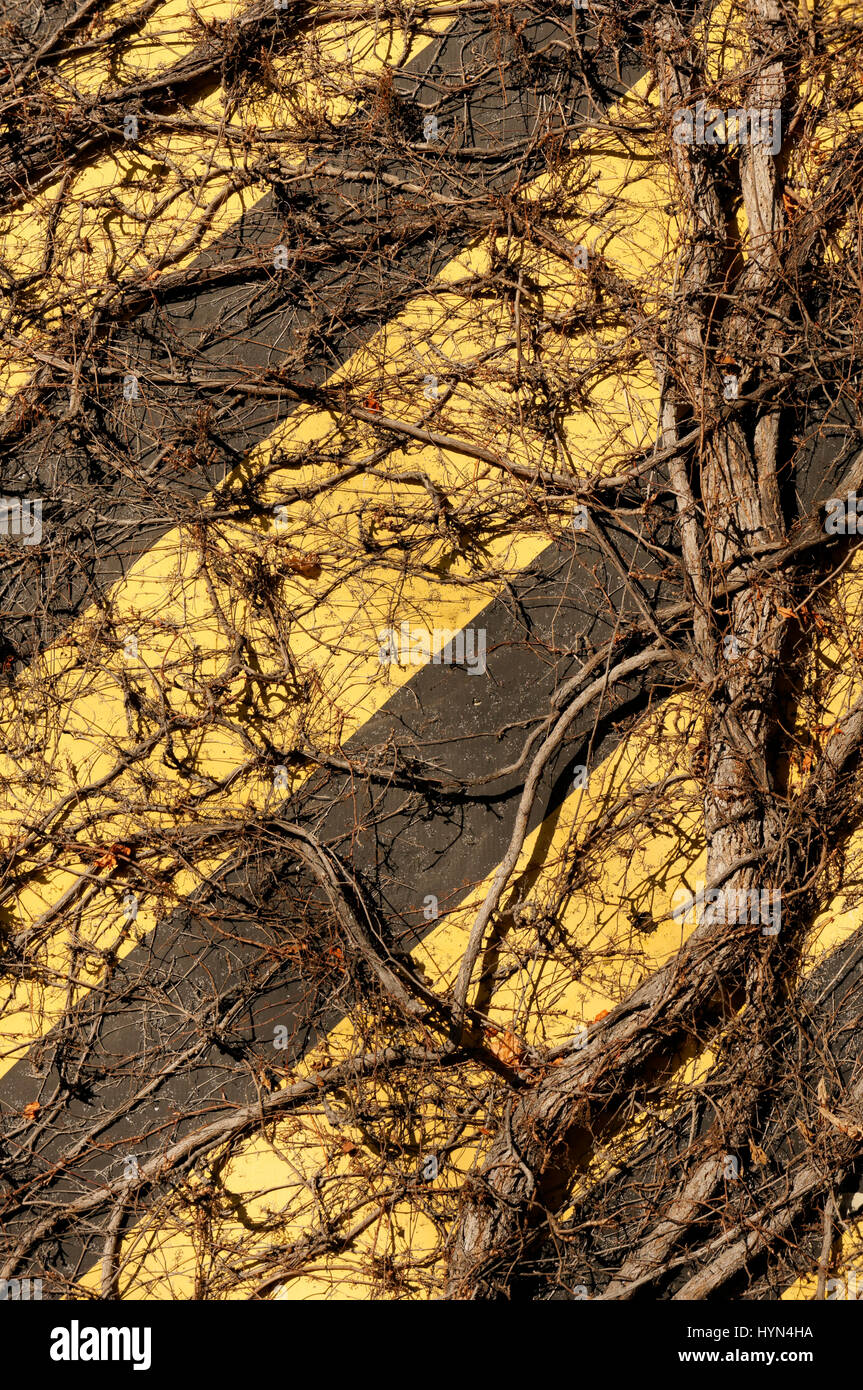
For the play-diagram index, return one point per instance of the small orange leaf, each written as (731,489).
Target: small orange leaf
(372,402)
(507,1048)
(109,858)
(603,1013)
(32,1110)
(309,566)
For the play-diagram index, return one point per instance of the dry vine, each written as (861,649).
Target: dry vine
(334,318)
